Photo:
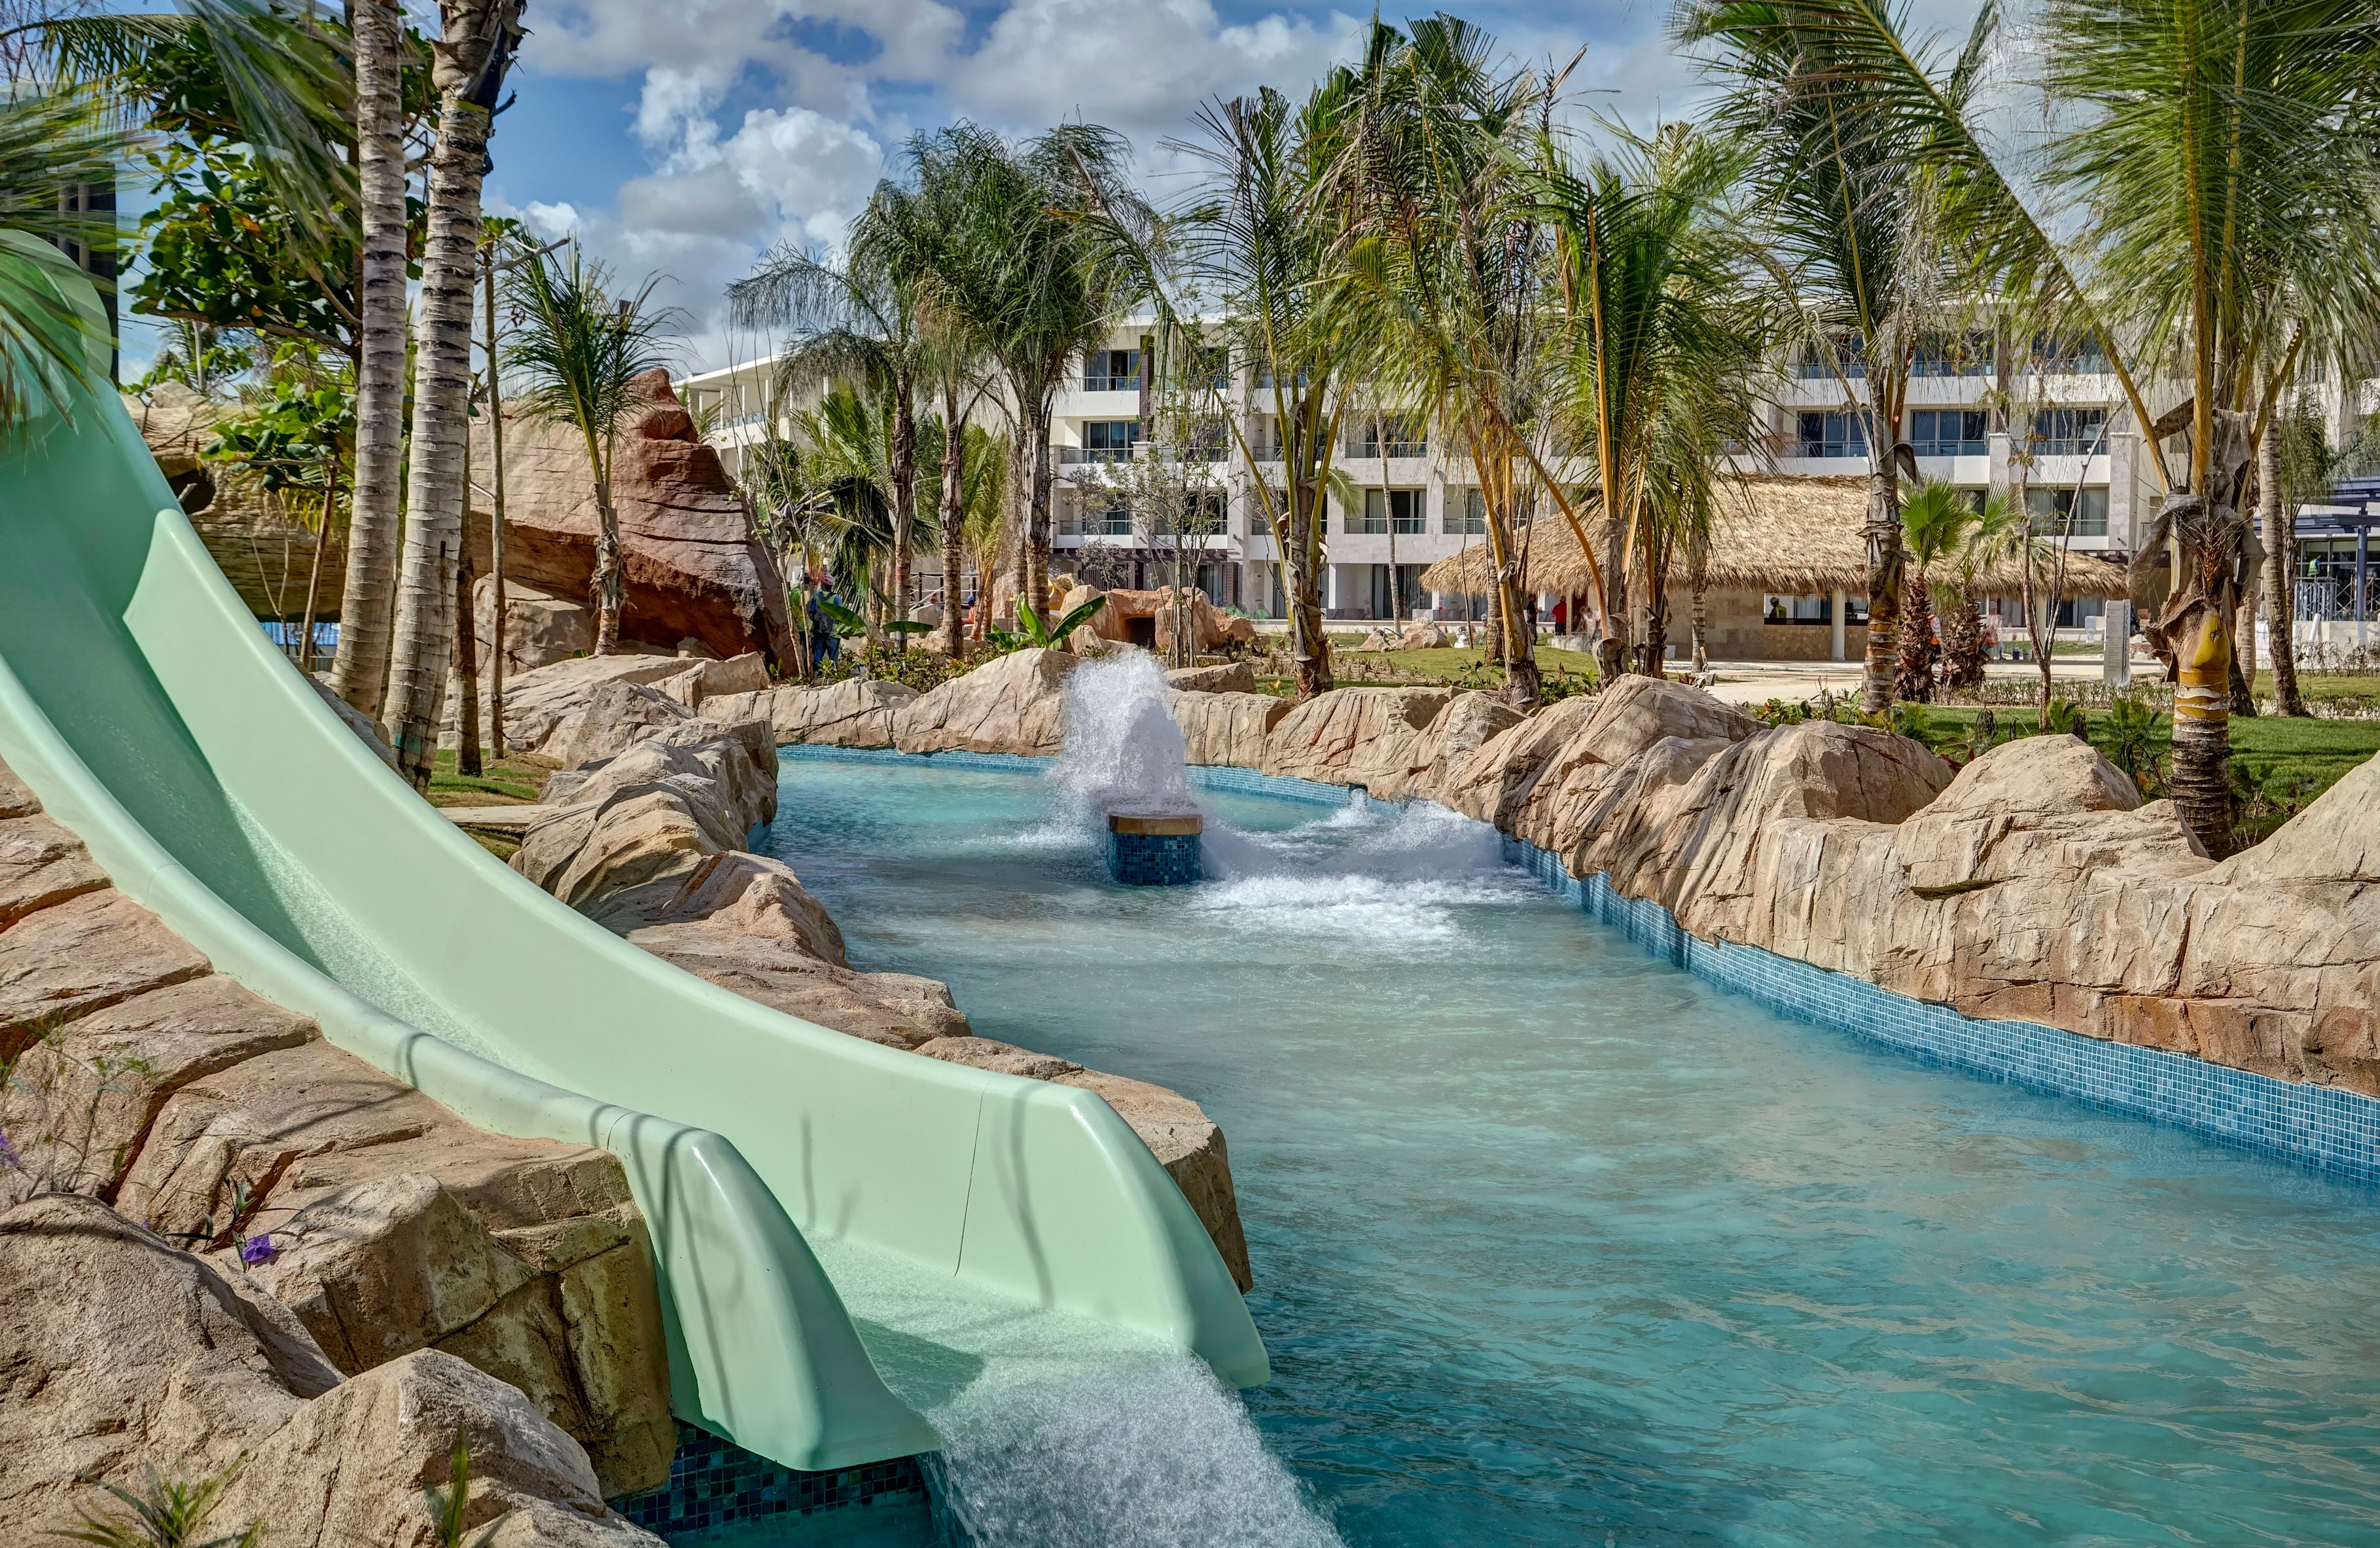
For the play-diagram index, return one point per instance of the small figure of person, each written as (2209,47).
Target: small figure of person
(825,646)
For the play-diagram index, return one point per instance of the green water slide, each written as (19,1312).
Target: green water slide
(826,1214)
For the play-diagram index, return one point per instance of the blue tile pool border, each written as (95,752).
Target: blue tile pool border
(2326,1128)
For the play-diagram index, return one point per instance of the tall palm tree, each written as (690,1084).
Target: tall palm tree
(579,352)
(2215,161)
(468,70)
(1662,348)
(359,671)
(1853,212)
(1444,261)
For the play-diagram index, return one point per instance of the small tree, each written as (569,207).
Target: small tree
(580,353)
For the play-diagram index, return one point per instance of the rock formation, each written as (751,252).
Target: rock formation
(121,1354)
(1231,677)
(1010,704)
(142,1080)
(693,565)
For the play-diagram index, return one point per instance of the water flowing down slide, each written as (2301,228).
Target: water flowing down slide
(826,1214)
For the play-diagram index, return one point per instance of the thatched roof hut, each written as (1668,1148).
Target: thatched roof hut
(1781,536)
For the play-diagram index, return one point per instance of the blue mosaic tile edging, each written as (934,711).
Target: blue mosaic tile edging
(2323,1126)
(1153,860)
(713,1483)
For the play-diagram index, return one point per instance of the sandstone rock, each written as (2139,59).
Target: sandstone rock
(1469,721)
(1239,631)
(1375,639)
(1145,617)
(1012,704)
(1356,736)
(1423,637)
(614,715)
(537,702)
(755,895)
(83,1100)
(1227,729)
(856,712)
(352,1466)
(84,952)
(540,627)
(367,729)
(42,864)
(690,646)
(895,1010)
(118,1353)
(692,564)
(17,798)
(1237,676)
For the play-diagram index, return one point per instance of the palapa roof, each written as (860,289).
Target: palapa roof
(1782,536)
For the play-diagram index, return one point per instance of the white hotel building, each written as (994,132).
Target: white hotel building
(2086,464)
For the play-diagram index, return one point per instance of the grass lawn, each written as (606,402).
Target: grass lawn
(514,781)
(1470,668)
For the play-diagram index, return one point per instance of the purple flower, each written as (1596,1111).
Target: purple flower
(8,1157)
(259,1248)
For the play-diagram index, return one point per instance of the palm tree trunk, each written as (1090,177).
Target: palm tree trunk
(609,590)
(1611,653)
(1917,638)
(1309,647)
(954,517)
(466,671)
(1885,566)
(1037,515)
(360,671)
(2202,725)
(496,524)
(433,534)
(1698,581)
(1963,646)
(2280,571)
(902,467)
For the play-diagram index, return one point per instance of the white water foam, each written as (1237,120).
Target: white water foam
(1153,1453)
(1389,875)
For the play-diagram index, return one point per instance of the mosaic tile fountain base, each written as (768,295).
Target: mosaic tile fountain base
(2323,1126)
(714,1485)
(1153,860)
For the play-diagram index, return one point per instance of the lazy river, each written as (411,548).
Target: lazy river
(1555,1243)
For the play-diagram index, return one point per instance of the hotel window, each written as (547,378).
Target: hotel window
(1401,438)
(1112,371)
(1947,432)
(2069,432)
(1812,364)
(2052,509)
(1210,368)
(1397,510)
(1833,435)
(1952,354)
(1109,440)
(1466,511)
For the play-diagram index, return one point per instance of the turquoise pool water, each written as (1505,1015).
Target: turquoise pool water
(1557,1244)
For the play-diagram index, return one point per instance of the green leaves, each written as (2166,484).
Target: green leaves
(581,348)
(1054,636)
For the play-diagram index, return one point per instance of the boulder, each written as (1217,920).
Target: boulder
(41,865)
(693,565)
(1227,729)
(540,627)
(1423,637)
(1011,704)
(898,1011)
(1356,736)
(856,712)
(80,955)
(760,896)
(184,1365)
(537,702)
(1232,676)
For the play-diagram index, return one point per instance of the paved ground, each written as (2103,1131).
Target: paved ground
(1754,682)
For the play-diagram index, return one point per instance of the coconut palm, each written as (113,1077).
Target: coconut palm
(1444,265)
(2217,161)
(579,352)
(469,68)
(1853,214)
(847,447)
(968,489)
(1936,518)
(1661,352)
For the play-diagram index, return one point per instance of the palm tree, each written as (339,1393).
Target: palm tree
(2219,159)
(1938,520)
(578,353)
(1853,216)
(359,671)
(1444,264)
(49,143)
(1661,353)
(469,68)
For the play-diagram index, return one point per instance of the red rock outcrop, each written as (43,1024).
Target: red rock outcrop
(694,569)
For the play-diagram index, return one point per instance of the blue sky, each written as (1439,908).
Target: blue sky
(683,137)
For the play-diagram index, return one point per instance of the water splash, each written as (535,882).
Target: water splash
(1124,753)
(1153,1453)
